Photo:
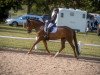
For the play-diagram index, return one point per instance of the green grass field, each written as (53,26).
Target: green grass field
(6,30)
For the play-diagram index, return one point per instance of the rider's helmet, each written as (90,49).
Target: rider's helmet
(56,10)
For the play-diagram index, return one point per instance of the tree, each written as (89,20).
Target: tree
(96,6)
(46,6)
(6,5)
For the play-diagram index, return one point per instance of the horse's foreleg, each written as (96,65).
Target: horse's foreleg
(62,47)
(45,44)
(37,41)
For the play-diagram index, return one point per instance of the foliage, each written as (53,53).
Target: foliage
(6,5)
(46,6)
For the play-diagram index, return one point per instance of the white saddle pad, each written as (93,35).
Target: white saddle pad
(53,31)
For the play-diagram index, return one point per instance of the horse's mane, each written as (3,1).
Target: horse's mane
(38,21)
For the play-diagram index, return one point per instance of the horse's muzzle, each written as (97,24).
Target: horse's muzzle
(29,31)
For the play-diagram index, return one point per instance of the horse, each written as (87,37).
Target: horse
(63,32)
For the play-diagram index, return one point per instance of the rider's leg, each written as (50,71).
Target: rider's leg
(50,25)
(48,30)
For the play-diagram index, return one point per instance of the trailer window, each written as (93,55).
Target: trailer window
(83,16)
(62,15)
(71,13)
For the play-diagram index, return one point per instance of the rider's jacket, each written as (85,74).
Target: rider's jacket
(53,18)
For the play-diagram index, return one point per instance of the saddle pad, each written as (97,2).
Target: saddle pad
(53,30)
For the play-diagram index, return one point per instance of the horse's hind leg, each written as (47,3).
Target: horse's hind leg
(37,41)
(45,44)
(73,47)
(62,46)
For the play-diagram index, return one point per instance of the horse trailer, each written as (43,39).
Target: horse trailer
(73,18)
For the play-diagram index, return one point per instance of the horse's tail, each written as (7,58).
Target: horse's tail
(76,44)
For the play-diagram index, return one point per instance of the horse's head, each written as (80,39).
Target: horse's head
(29,25)
(33,24)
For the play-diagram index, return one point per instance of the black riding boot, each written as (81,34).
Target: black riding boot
(47,34)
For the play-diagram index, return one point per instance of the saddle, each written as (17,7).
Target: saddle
(52,29)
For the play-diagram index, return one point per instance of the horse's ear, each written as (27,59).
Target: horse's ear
(28,20)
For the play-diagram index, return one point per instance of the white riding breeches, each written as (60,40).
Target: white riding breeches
(50,25)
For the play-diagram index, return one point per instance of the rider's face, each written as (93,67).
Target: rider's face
(56,11)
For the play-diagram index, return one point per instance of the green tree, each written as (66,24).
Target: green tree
(96,6)
(46,6)
(6,5)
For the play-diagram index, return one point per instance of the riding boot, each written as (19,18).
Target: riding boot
(47,34)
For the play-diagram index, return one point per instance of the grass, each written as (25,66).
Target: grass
(6,30)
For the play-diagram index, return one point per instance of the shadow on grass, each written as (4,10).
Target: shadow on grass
(15,31)
(10,31)
(13,28)
(38,52)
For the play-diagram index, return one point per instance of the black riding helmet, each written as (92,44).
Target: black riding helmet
(56,9)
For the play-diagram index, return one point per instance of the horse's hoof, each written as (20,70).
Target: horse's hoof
(29,53)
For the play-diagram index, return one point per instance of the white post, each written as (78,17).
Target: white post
(80,44)
(36,46)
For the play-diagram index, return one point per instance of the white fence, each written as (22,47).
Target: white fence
(16,37)
(80,44)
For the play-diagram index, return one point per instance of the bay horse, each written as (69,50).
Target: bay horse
(63,32)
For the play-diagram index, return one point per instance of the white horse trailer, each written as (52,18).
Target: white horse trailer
(75,19)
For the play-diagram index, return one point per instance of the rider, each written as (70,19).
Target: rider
(51,22)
